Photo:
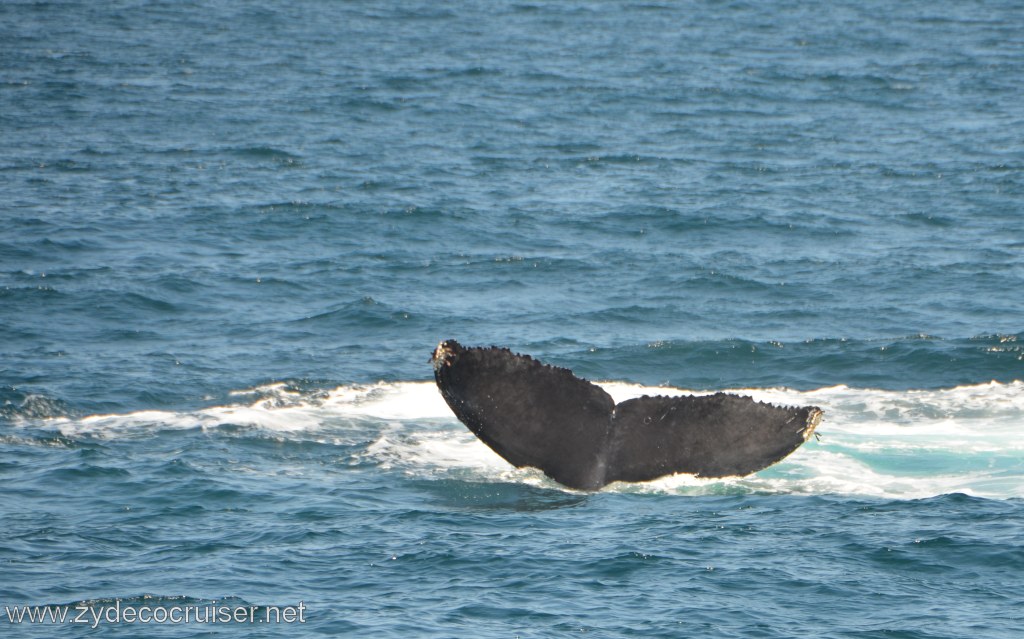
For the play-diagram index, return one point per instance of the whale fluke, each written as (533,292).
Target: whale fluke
(533,414)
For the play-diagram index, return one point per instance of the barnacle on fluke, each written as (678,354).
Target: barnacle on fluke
(533,414)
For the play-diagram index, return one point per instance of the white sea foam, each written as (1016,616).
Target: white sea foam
(893,444)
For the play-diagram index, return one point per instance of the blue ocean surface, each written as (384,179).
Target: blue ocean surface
(231,234)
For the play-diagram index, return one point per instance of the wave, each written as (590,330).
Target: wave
(875,443)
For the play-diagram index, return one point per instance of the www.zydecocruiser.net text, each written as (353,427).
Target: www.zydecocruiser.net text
(116,613)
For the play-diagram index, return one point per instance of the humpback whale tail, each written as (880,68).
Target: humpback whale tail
(533,414)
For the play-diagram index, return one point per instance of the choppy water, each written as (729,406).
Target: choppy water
(231,234)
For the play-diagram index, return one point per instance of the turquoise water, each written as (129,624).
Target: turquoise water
(232,234)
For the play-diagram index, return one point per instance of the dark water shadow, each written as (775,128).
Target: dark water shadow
(507,496)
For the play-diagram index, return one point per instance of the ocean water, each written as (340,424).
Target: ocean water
(232,233)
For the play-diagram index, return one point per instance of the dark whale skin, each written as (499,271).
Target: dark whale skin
(537,415)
